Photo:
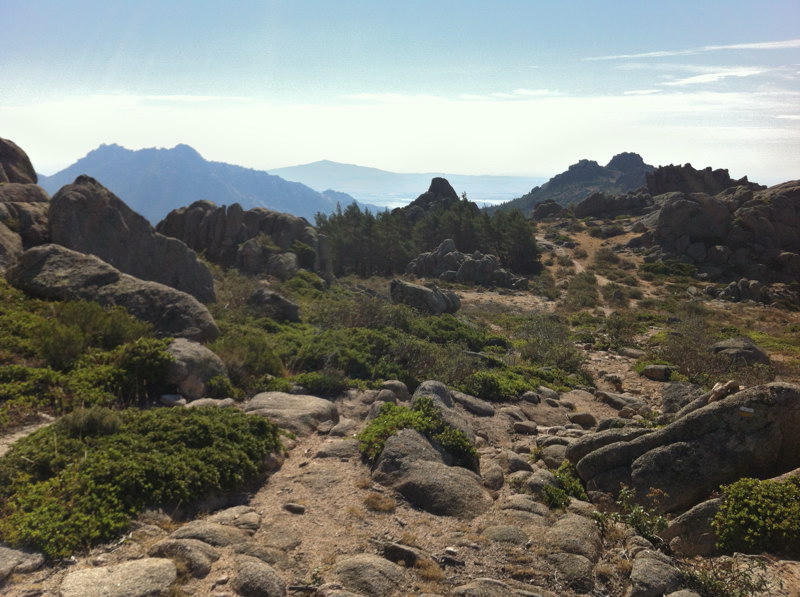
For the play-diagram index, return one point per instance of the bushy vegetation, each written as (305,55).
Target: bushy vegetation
(366,244)
(647,522)
(758,516)
(81,480)
(687,343)
(424,417)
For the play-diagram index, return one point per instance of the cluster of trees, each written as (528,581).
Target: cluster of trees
(366,244)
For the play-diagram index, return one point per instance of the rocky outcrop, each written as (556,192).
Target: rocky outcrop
(748,434)
(87,217)
(742,230)
(23,205)
(685,179)
(451,265)
(56,273)
(440,195)
(24,210)
(428,300)
(549,209)
(15,166)
(602,205)
(257,240)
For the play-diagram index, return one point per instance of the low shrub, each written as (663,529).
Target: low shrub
(647,522)
(570,482)
(423,417)
(736,576)
(547,342)
(669,268)
(582,292)
(80,481)
(327,383)
(758,516)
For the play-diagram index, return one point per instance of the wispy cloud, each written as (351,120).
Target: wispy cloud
(766,45)
(642,91)
(713,77)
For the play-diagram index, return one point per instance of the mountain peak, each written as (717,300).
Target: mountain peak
(626,161)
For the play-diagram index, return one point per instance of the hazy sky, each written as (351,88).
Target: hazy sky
(473,87)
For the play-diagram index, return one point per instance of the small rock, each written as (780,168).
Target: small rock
(585,420)
(294,508)
(657,372)
(525,427)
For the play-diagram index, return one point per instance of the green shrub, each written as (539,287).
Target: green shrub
(759,516)
(65,490)
(248,353)
(582,292)
(547,342)
(426,419)
(554,497)
(497,385)
(306,255)
(220,386)
(669,268)
(570,482)
(447,329)
(328,383)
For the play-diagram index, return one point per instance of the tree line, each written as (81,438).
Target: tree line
(366,244)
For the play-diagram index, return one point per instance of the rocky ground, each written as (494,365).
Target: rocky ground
(326,523)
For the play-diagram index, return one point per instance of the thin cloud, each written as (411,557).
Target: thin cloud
(642,91)
(715,76)
(767,45)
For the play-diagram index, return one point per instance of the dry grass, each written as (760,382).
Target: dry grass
(429,570)
(379,503)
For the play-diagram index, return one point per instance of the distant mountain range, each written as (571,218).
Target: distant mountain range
(625,172)
(153,182)
(394,189)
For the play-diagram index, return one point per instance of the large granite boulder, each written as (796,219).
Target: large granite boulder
(56,273)
(15,166)
(257,240)
(752,433)
(422,298)
(415,469)
(193,366)
(299,413)
(87,217)
(137,578)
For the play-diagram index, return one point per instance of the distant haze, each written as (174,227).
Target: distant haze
(394,189)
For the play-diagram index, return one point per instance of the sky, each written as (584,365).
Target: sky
(522,87)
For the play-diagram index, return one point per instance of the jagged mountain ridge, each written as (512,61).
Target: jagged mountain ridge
(155,181)
(625,172)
